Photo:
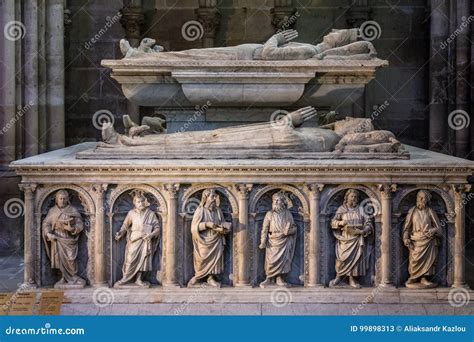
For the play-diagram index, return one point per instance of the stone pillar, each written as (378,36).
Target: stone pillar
(459,235)
(243,278)
(170,246)
(463,60)
(30,230)
(386,243)
(208,15)
(439,27)
(99,236)
(55,129)
(314,235)
(30,83)
(132,20)
(283,15)
(8,83)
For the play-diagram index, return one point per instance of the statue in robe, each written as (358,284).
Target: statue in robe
(61,229)
(338,44)
(351,227)
(278,239)
(142,228)
(208,229)
(421,235)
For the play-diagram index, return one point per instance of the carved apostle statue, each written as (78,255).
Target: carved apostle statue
(208,229)
(278,238)
(61,230)
(351,227)
(142,228)
(421,235)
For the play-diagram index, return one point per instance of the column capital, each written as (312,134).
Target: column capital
(314,188)
(99,188)
(243,189)
(386,189)
(132,20)
(28,188)
(172,189)
(462,188)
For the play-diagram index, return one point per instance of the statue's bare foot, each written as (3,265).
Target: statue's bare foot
(193,281)
(354,283)
(281,282)
(424,281)
(119,283)
(335,281)
(266,282)
(142,283)
(213,282)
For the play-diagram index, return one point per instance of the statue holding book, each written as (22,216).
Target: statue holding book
(208,229)
(142,228)
(351,227)
(278,238)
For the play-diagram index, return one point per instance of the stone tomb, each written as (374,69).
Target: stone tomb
(101,190)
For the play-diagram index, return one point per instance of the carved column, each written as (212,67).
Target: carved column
(243,256)
(459,234)
(463,71)
(208,15)
(99,235)
(439,30)
(132,20)
(170,251)
(30,246)
(284,15)
(386,243)
(314,234)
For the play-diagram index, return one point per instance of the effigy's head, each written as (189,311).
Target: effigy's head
(341,37)
(62,198)
(423,198)
(353,125)
(210,199)
(351,198)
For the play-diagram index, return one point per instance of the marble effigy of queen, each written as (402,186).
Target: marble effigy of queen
(338,44)
(61,229)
